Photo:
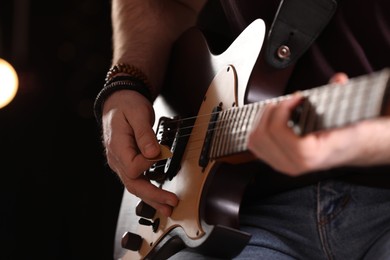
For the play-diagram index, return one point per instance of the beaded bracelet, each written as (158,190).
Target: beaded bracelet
(119,83)
(129,70)
(133,79)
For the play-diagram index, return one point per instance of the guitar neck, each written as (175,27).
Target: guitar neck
(324,107)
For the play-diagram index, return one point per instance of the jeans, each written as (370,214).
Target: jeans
(328,220)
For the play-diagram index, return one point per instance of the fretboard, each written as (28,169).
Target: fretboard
(324,107)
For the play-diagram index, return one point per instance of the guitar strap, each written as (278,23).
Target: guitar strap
(296,25)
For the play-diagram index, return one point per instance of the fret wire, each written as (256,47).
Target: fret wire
(369,108)
(341,110)
(233,131)
(241,116)
(357,105)
(336,111)
(361,90)
(236,129)
(346,103)
(248,124)
(351,96)
(216,134)
(220,134)
(353,106)
(253,112)
(355,97)
(239,132)
(244,127)
(225,133)
(360,98)
(229,132)
(373,99)
(230,146)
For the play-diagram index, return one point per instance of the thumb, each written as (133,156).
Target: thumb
(151,149)
(147,141)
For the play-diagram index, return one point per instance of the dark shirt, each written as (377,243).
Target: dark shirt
(356,41)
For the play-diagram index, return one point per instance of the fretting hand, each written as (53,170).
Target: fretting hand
(274,142)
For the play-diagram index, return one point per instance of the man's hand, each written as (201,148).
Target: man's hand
(361,144)
(129,141)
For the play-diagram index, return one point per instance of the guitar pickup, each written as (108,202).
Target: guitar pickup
(183,132)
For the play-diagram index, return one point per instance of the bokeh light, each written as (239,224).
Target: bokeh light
(8,83)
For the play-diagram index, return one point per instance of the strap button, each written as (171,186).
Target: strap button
(283,52)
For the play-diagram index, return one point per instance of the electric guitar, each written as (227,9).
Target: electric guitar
(206,146)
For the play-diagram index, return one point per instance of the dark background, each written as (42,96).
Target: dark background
(58,199)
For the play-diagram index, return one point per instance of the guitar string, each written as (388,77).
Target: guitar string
(197,144)
(231,121)
(320,92)
(350,107)
(359,91)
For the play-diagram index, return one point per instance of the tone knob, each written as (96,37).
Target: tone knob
(144,210)
(131,241)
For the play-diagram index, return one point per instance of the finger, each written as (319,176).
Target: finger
(136,117)
(287,143)
(146,140)
(163,201)
(259,142)
(339,78)
(141,187)
(129,164)
(144,134)
(121,149)
(281,115)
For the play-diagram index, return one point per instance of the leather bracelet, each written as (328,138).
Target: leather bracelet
(129,70)
(115,84)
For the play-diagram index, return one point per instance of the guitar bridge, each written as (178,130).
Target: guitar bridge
(173,133)
(165,133)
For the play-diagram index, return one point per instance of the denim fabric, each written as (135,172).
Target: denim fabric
(329,220)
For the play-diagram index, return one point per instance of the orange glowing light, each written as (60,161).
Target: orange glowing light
(8,83)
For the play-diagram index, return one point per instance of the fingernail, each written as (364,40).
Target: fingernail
(171,203)
(151,149)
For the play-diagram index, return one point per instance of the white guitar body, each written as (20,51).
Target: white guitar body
(203,175)
(232,69)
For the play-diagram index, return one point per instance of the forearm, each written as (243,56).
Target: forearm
(370,141)
(144,30)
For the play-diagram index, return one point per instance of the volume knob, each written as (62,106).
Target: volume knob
(131,241)
(144,210)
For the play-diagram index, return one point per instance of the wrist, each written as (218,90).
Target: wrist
(122,77)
